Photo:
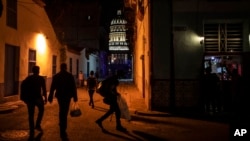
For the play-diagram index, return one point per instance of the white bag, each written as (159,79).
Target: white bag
(123,107)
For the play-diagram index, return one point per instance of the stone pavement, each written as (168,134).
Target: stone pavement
(14,123)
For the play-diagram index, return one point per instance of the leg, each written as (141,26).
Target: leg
(31,111)
(118,118)
(63,113)
(91,101)
(106,115)
(40,105)
(117,115)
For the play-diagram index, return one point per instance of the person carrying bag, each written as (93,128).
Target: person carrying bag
(75,110)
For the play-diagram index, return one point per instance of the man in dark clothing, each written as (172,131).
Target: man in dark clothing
(210,90)
(113,82)
(91,86)
(33,97)
(64,85)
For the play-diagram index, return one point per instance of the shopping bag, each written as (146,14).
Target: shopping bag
(75,110)
(123,107)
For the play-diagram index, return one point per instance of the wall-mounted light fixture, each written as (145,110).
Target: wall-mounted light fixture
(201,40)
(249,39)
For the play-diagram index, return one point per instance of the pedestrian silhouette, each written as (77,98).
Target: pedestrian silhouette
(91,87)
(210,90)
(81,79)
(112,94)
(33,93)
(64,85)
(97,76)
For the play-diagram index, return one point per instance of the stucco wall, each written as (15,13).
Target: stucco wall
(74,58)
(32,22)
(142,56)
(92,60)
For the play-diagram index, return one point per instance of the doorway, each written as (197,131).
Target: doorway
(11,70)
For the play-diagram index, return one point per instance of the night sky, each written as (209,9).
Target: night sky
(109,7)
(109,10)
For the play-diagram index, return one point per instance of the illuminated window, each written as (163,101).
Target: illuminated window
(32,60)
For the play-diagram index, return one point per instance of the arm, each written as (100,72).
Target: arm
(52,89)
(44,90)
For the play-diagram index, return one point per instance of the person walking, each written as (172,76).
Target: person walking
(33,93)
(112,94)
(210,90)
(81,79)
(64,85)
(91,87)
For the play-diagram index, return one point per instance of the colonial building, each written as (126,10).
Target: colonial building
(119,54)
(27,38)
(176,40)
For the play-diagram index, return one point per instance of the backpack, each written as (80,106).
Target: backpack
(91,82)
(24,90)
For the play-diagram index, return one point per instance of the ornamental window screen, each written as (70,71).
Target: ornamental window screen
(223,37)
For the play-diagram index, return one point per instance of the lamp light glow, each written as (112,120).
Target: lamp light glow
(41,43)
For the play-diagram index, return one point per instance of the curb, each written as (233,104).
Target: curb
(149,113)
(10,106)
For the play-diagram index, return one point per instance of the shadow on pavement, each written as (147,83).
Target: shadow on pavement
(98,108)
(122,137)
(161,121)
(148,137)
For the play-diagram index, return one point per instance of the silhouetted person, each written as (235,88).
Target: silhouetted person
(81,79)
(64,85)
(210,90)
(36,90)
(113,82)
(91,87)
(97,75)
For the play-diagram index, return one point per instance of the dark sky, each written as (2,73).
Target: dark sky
(109,9)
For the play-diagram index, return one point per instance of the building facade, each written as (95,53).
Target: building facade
(120,57)
(77,25)
(27,38)
(172,49)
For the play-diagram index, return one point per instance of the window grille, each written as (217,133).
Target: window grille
(223,37)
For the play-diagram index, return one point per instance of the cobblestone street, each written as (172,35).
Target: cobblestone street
(14,124)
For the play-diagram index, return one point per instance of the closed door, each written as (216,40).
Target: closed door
(11,73)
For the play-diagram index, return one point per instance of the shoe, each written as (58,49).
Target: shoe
(120,128)
(39,128)
(99,123)
(63,135)
(93,106)
(31,136)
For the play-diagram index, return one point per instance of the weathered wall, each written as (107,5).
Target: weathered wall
(32,25)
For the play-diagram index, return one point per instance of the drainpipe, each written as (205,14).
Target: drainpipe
(172,60)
